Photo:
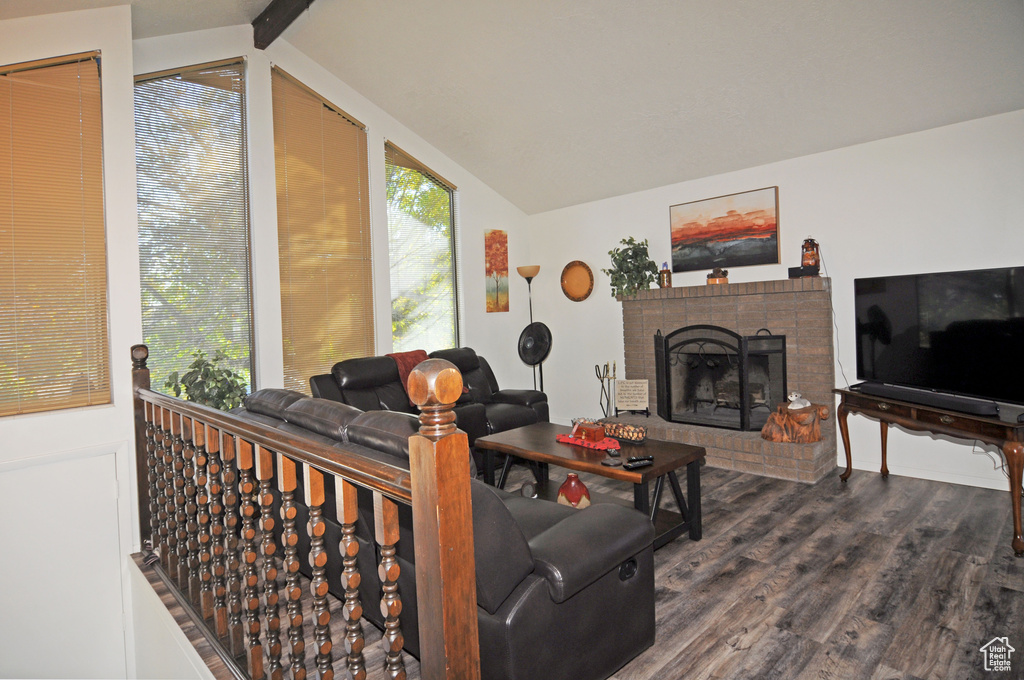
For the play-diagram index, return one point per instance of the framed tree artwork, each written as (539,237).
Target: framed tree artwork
(726,231)
(496,269)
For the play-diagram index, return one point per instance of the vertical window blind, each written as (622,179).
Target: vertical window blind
(193,203)
(421,250)
(54,350)
(323,222)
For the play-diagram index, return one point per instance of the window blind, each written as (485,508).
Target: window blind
(54,351)
(323,222)
(421,251)
(193,204)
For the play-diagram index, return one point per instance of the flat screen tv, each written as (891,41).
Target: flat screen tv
(958,334)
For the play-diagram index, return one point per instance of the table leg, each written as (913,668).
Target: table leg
(504,470)
(488,466)
(693,493)
(659,483)
(844,430)
(1014,452)
(641,498)
(885,446)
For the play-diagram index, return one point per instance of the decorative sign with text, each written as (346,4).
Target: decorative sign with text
(631,395)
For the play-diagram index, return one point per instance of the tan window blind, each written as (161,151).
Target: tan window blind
(193,217)
(323,222)
(53,273)
(421,250)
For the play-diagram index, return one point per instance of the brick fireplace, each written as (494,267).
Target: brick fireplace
(797,308)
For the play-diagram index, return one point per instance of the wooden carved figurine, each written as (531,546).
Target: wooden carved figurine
(797,421)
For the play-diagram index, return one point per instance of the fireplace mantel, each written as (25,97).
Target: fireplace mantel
(800,309)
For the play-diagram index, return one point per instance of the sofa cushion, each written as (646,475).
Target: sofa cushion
(502,554)
(272,401)
(475,385)
(327,418)
(386,431)
(502,417)
(464,358)
(534,518)
(371,384)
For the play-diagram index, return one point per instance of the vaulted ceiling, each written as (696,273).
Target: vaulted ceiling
(558,102)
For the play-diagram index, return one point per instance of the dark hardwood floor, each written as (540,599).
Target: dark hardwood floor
(875,579)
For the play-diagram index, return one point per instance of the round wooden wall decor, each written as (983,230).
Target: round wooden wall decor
(577,281)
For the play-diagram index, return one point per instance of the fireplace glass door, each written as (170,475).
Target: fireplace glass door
(711,376)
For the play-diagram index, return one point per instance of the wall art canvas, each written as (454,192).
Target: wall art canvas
(496,269)
(726,231)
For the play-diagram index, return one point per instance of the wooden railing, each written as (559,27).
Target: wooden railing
(205,482)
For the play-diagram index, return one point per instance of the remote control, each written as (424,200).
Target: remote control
(633,459)
(614,453)
(637,464)
(611,462)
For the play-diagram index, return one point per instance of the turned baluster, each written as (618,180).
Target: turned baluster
(313,481)
(265,475)
(176,536)
(218,580)
(287,483)
(163,482)
(231,547)
(168,534)
(348,515)
(154,477)
(250,576)
(205,553)
(188,566)
(443,526)
(385,513)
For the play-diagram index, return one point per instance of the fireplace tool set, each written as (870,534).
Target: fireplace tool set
(607,387)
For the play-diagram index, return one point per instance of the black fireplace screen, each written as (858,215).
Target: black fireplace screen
(707,375)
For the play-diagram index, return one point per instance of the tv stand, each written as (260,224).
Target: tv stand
(950,402)
(1006,433)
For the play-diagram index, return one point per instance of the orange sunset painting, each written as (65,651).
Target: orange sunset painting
(727,231)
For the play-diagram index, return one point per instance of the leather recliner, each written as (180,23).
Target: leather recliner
(373,383)
(561,593)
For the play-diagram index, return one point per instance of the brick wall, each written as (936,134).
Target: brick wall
(800,309)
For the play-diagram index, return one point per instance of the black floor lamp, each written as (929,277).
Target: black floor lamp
(535,340)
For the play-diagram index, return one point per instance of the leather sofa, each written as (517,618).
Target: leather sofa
(374,383)
(561,593)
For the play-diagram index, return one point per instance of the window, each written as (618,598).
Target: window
(421,248)
(323,222)
(54,350)
(194,217)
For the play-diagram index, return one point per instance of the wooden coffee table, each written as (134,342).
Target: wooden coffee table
(537,443)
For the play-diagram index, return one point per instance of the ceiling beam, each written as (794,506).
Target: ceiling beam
(273,20)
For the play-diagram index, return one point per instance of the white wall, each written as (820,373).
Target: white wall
(945,199)
(66,477)
(479,207)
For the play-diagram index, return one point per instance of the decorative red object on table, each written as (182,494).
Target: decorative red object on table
(604,445)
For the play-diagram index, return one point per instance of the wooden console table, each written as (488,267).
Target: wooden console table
(1004,432)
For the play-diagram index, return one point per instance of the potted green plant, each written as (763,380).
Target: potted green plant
(207,382)
(632,269)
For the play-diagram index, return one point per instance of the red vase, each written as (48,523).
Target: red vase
(573,492)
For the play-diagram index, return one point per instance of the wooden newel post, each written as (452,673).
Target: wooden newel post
(140,380)
(443,524)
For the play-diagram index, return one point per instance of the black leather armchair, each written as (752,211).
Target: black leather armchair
(373,383)
(505,408)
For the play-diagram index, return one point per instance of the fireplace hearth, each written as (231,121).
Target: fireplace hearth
(712,376)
